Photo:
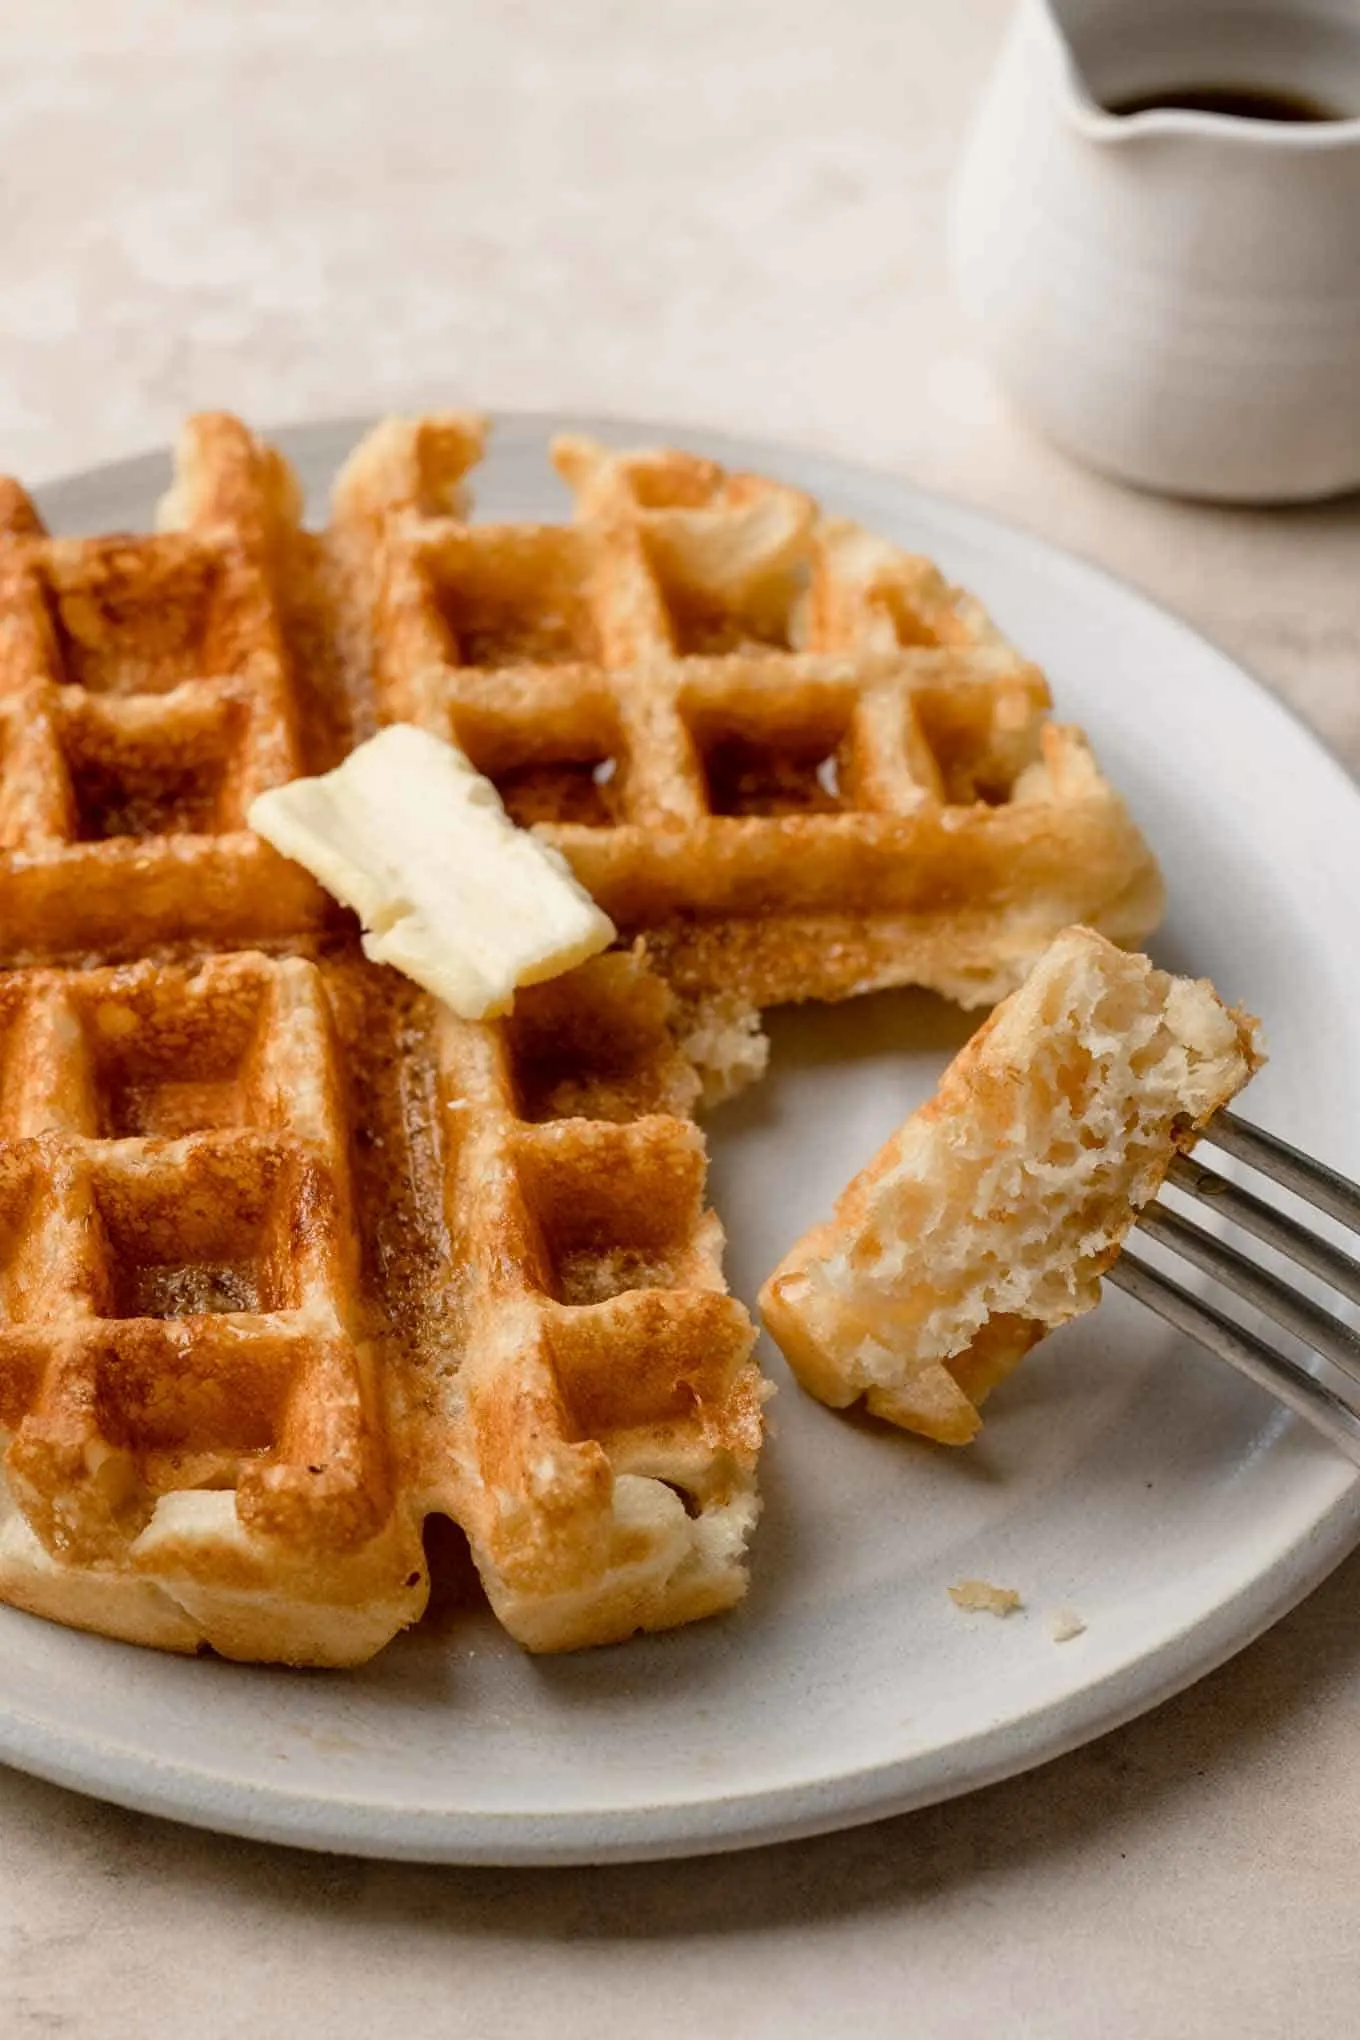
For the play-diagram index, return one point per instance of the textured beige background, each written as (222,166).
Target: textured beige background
(725,212)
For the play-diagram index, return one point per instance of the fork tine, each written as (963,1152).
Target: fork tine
(1284,1378)
(1230,1200)
(1320,1186)
(1308,1321)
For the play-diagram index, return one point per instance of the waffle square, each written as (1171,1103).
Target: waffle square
(792,755)
(292,1259)
(145,699)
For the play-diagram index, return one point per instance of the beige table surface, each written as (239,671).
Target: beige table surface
(722,212)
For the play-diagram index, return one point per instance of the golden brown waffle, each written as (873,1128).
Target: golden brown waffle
(290,1258)
(146,696)
(791,754)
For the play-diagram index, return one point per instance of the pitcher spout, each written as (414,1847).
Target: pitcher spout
(1076,32)
(1087,48)
(1196,69)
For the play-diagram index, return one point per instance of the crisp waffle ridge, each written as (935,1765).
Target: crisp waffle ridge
(789,752)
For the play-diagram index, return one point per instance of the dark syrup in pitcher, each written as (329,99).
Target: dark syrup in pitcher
(1241,102)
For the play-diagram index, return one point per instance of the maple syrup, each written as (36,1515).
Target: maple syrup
(1239,102)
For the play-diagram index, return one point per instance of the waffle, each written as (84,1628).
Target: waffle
(145,699)
(790,754)
(989,1217)
(291,1259)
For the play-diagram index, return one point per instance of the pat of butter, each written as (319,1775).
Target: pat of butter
(411,836)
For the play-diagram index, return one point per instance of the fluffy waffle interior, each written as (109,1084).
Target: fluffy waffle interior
(789,752)
(292,1260)
(989,1217)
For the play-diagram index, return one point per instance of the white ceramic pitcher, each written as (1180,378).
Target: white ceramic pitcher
(1172,296)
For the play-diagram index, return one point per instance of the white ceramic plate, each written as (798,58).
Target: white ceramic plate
(1121,1474)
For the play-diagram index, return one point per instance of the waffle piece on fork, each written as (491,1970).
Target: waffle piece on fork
(989,1217)
(790,754)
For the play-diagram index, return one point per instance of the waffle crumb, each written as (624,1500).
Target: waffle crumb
(980,1597)
(1064,1624)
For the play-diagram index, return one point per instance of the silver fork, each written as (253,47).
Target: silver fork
(1335,1411)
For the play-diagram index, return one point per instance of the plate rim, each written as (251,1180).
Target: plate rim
(736,1819)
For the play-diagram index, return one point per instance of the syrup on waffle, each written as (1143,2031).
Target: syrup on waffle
(292,1259)
(793,755)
